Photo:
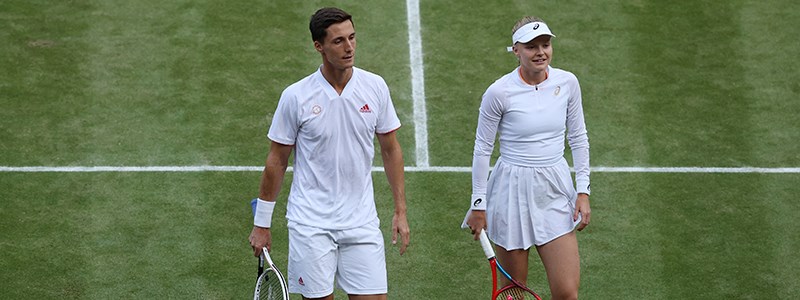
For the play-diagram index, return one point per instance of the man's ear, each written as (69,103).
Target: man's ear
(318,46)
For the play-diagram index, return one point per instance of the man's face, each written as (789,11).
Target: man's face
(339,47)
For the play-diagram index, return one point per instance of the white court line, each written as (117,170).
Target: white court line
(84,169)
(417,83)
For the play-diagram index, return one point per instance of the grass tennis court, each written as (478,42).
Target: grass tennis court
(194,83)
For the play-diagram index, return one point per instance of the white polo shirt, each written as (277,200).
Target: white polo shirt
(532,122)
(334,147)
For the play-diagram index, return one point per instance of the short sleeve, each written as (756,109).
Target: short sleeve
(285,122)
(387,118)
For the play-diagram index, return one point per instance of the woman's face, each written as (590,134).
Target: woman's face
(534,56)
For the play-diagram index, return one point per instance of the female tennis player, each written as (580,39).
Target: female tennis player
(530,198)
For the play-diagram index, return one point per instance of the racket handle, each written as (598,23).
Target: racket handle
(486,245)
(260,265)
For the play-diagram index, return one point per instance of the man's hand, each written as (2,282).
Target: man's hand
(259,238)
(400,226)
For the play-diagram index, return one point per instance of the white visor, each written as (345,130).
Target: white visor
(528,32)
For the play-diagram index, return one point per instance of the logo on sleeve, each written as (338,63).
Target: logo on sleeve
(477,201)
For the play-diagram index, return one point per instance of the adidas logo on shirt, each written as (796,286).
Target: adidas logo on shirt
(365,109)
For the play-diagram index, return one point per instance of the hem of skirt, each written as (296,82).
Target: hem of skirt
(528,247)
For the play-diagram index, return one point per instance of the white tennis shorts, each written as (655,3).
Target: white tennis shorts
(529,205)
(353,257)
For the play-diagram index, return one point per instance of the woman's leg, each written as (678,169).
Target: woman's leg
(515,262)
(562,265)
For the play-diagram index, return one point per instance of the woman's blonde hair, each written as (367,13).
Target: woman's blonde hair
(525,20)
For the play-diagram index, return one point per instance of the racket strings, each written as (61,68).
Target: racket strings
(514,293)
(270,287)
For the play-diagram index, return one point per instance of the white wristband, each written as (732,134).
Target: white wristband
(263,215)
(478,202)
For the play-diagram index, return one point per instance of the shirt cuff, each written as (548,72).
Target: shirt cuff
(478,202)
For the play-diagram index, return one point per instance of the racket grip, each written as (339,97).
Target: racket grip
(486,245)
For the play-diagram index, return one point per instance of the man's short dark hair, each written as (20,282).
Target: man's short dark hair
(324,18)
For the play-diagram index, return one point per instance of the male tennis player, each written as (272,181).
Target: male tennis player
(330,119)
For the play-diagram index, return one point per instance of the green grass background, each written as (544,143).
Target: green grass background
(147,83)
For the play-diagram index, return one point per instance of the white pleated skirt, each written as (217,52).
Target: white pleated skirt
(529,206)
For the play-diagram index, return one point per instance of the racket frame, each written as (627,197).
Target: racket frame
(488,250)
(265,258)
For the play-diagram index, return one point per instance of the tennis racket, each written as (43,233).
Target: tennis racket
(513,291)
(271,285)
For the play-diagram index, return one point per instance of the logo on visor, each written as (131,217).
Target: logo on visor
(535,26)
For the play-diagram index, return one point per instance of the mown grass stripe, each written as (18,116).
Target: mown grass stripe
(772,82)
(697,91)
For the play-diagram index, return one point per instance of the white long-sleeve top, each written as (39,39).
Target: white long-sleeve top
(532,121)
